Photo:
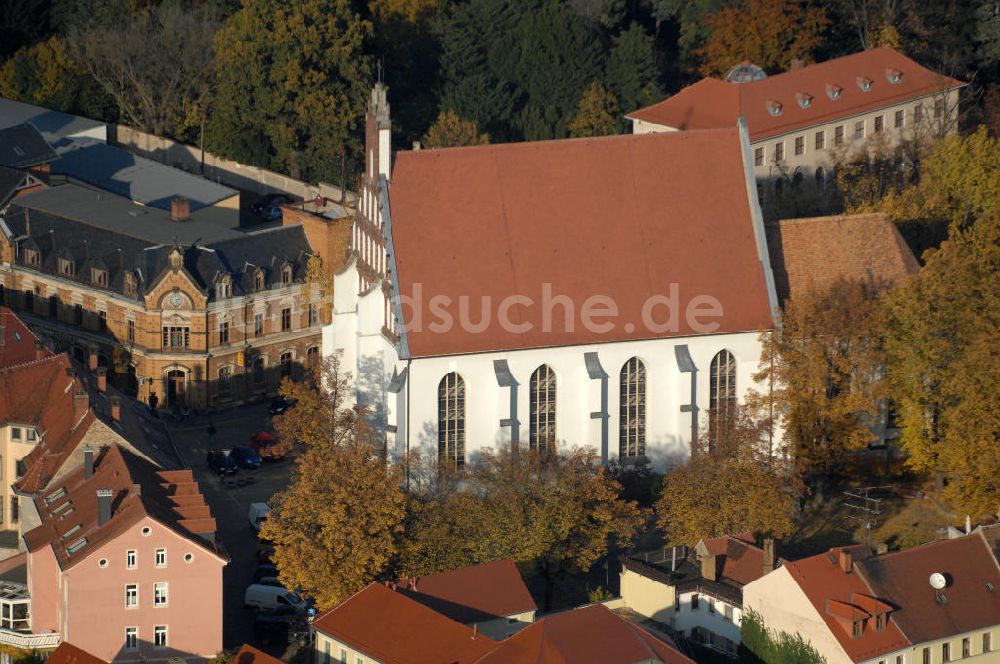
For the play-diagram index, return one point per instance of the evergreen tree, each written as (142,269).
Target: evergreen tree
(631,69)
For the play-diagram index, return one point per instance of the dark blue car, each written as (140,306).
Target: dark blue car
(245,457)
(222,462)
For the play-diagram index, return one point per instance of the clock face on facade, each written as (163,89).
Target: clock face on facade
(176,300)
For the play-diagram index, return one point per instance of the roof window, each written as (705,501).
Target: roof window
(864,83)
(834,91)
(72,531)
(76,546)
(774,108)
(894,76)
(55,495)
(805,100)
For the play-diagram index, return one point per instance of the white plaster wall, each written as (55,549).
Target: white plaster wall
(784,607)
(687,618)
(668,430)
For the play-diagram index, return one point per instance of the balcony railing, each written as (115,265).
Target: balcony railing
(29,641)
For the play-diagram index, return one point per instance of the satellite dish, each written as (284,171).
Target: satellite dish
(938,582)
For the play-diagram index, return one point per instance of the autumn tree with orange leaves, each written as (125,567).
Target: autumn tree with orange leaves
(768,33)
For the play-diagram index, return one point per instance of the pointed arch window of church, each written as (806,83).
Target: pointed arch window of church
(722,391)
(451,420)
(632,415)
(542,402)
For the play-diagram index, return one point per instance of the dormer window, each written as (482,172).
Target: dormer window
(224,290)
(99,277)
(894,76)
(774,108)
(834,91)
(881,621)
(32,258)
(864,83)
(129,284)
(805,100)
(258,280)
(286,274)
(858,629)
(66,267)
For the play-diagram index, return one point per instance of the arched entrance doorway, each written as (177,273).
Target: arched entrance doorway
(176,384)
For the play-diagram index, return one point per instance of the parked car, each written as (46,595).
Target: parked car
(246,457)
(258,515)
(222,462)
(266,446)
(269,598)
(279,405)
(269,206)
(264,571)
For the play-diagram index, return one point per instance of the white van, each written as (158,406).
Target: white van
(258,515)
(271,598)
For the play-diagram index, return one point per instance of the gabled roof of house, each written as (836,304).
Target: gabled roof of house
(67,653)
(69,510)
(393,629)
(10,181)
(247,654)
(587,635)
(18,344)
(473,594)
(625,217)
(970,601)
(742,560)
(803,95)
(815,252)
(22,146)
(835,595)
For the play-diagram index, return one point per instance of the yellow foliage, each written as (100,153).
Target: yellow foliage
(450,130)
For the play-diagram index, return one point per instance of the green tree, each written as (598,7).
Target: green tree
(732,483)
(293,80)
(943,364)
(450,131)
(768,33)
(760,644)
(631,69)
(826,362)
(597,114)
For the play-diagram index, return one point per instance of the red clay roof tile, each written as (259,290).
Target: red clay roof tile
(67,653)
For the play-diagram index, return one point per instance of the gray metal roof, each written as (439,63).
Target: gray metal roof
(22,146)
(123,216)
(53,124)
(137,178)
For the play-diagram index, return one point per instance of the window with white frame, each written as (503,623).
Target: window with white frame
(859,129)
(130,559)
(160,636)
(131,596)
(160,593)
(131,638)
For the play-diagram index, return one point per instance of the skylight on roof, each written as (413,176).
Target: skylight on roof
(894,76)
(834,91)
(774,108)
(805,100)
(72,531)
(864,83)
(62,508)
(76,546)
(55,495)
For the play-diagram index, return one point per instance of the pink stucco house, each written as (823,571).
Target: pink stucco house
(125,564)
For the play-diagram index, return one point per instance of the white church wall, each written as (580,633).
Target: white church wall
(668,430)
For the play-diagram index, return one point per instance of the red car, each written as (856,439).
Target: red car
(266,446)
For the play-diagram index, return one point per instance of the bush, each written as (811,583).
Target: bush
(759,644)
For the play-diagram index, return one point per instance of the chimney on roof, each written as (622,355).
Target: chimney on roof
(416,145)
(88,462)
(116,409)
(846,561)
(475,630)
(768,555)
(709,567)
(102,379)
(180,208)
(92,360)
(81,402)
(103,506)
(797,64)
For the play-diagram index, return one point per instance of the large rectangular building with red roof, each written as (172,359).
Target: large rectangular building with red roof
(802,121)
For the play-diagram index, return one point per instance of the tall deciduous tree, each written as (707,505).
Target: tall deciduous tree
(293,79)
(451,131)
(768,33)
(153,65)
(553,515)
(944,364)
(732,483)
(596,115)
(826,363)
